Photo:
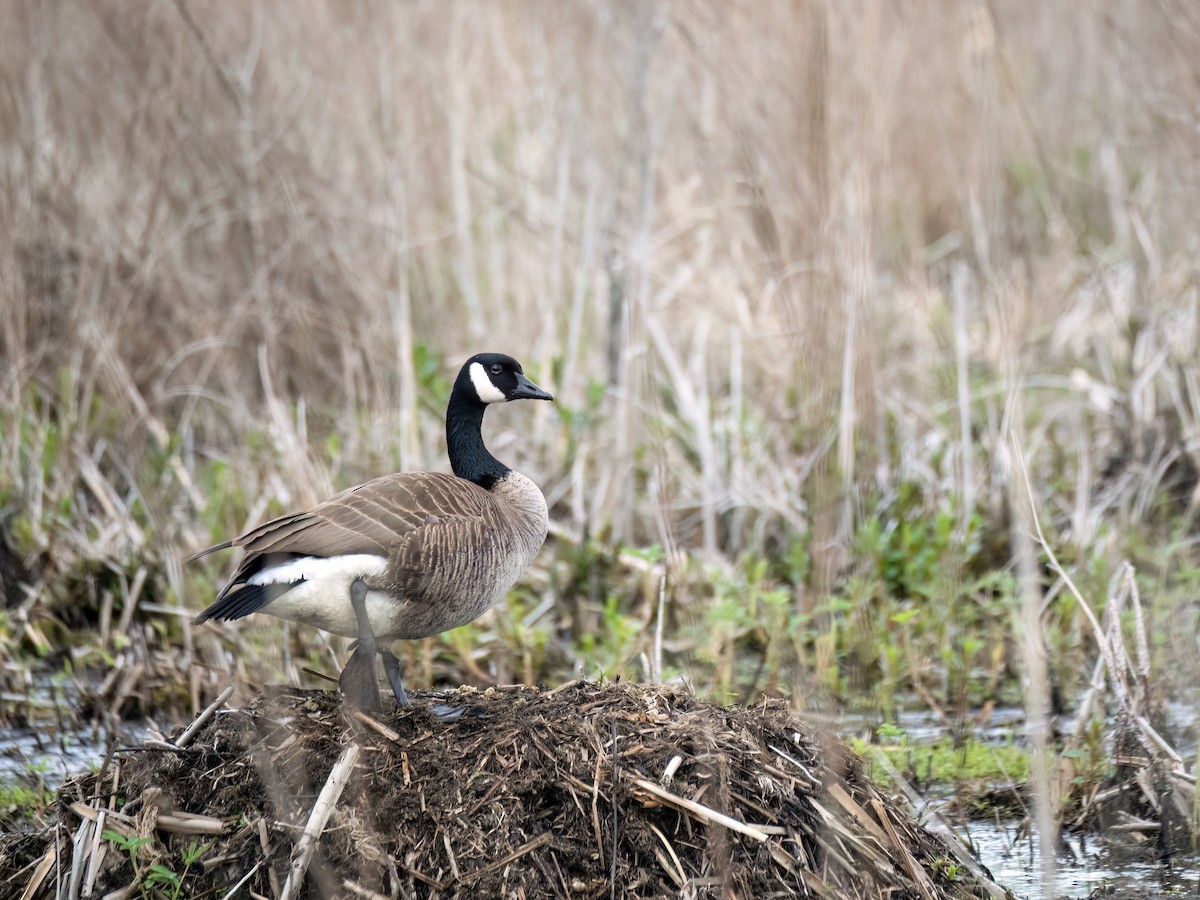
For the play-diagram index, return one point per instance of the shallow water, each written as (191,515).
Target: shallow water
(1002,725)
(56,744)
(1016,865)
(29,754)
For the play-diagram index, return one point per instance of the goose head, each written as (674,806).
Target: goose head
(496,378)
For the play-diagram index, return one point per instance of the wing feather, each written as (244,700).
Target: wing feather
(371,518)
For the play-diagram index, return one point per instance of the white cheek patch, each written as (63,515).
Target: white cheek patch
(487,391)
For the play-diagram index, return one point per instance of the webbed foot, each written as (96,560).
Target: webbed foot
(358,684)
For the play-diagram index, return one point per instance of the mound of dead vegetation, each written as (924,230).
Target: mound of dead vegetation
(583,791)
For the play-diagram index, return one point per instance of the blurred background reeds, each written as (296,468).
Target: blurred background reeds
(804,278)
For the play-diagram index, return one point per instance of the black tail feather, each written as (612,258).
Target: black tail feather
(240,599)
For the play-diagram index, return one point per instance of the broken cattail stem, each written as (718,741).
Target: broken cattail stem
(186,738)
(237,887)
(540,841)
(321,811)
(700,811)
(376,726)
(671,769)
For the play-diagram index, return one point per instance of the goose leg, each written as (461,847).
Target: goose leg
(440,711)
(391,668)
(357,682)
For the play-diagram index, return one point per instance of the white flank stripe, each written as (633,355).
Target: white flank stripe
(322,568)
(487,391)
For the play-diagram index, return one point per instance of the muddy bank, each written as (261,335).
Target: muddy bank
(576,792)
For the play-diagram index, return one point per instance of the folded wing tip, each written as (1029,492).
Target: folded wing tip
(224,545)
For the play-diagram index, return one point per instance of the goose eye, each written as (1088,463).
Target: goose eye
(496,368)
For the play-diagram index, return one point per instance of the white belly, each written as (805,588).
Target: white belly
(323,599)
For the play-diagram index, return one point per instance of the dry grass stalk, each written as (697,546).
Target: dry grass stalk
(327,801)
(173,822)
(186,738)
(1157,760)
(915,872)
(40,873)
(700,811)
(1035,675)
(230,239)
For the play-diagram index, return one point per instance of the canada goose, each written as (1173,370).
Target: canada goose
(402,556)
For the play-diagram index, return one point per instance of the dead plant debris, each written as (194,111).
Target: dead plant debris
(588,790)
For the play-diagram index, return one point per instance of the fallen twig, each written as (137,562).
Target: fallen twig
(1157,739)
(79,852)
(376,726)
(192,730)
(95,855)
(174,822)
(700,811)
(528,847)
(39,874)
(237,887)
(321,811)
(915,872)
(675,870)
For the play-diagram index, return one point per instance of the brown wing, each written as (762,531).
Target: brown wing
(370,518)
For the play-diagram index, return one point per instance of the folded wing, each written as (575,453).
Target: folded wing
(354,529)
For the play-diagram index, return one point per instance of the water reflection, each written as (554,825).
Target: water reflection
(1016,865)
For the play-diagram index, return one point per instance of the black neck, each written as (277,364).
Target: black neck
(464,441)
